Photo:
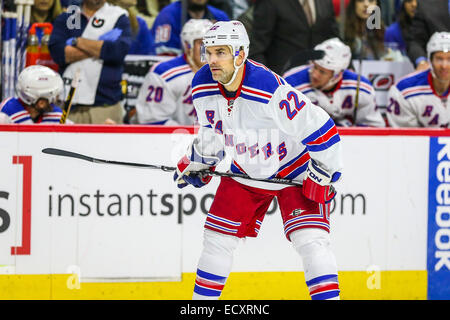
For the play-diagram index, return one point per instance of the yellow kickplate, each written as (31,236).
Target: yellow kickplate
(354,285)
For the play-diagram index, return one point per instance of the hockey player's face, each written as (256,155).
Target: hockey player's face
(441,65)
(220,62)
(42,105)
(319,76)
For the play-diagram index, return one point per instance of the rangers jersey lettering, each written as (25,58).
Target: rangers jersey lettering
(165,95)
(269,129)
(413,102)
(340,103)
(13,111)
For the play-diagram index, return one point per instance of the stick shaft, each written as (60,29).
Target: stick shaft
(69,99)
(70,154)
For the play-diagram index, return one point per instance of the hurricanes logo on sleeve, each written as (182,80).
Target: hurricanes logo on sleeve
(98,23)
(297,212)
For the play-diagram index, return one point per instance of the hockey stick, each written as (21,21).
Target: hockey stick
(69,99)
(70,154)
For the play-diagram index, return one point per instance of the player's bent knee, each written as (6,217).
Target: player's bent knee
(310,241)
(218,243)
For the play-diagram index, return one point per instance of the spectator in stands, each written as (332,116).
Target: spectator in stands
(45,11)
(149,9)
(431,16)
(142,40)
(329,84)
(397,31)
(337,6)
(96,48)
(239,7)
(38,89)
(282,29)
(225,6)
(65,4)
(246,16)
(366,42)
(168,24)
(165,95)
(421,98)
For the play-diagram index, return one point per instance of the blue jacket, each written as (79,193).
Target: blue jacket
(143,41)
(112,53)
(393,34)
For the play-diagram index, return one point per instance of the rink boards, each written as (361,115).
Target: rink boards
(72,229)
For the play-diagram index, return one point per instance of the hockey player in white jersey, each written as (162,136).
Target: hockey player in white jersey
(270,130)
(421,99)
(165,95)
(38,89)
(330,85)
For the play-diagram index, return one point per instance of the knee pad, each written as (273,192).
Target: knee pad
(218,243)
(313,245)
(307,241)
(217,254)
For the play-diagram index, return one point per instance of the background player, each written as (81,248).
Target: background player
(421,98)
(270,130)
(330,85)
(38,89)
(165,95)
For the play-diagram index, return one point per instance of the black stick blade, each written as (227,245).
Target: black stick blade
(64,153)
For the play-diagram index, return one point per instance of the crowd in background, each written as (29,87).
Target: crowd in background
(277,22)
(282,32)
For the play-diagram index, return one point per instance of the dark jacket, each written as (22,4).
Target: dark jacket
(431,16)
(280,30)
(109,90)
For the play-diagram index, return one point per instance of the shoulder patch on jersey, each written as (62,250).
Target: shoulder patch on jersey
(415,84)
(298,77)
(11,106)
(413,80)
(350,75)
(350,81)
(203,84)
(15,110)
(259,77)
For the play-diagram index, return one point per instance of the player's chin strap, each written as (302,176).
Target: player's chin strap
(236,69)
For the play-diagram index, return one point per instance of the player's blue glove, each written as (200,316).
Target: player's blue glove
(193,161)
(111,35)
(317,184)
(184,175)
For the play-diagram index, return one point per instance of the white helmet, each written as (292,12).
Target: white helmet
(194,29)
(38,81)
(439,41)
(337,55)
(232,34)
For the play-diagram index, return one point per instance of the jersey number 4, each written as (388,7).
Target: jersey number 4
(285,104)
